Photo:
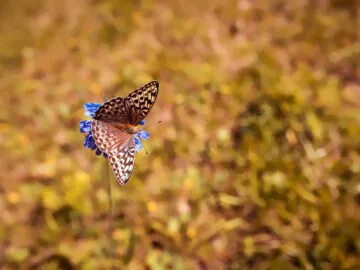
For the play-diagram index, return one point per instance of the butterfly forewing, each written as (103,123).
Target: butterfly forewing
(141,101)
(114,110)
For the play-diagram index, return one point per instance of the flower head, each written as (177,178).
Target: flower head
(85,127)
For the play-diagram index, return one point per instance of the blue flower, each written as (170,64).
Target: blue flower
(141,135)
(85,127)
(91,108)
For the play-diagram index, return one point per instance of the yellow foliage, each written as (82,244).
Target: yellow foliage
(255,165)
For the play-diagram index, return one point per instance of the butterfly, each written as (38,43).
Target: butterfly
(115,126)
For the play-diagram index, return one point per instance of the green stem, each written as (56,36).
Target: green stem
(110,219)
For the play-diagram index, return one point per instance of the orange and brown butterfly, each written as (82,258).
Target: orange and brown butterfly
(114,131)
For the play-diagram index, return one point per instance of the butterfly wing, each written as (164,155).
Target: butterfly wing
(118,145)
(107,137)
(131,109)
(114,110)
(141,101)
(122,161)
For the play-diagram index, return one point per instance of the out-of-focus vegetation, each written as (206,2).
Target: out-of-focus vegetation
(256,164)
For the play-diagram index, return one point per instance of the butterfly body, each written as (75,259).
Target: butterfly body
(130,129)
(116,125)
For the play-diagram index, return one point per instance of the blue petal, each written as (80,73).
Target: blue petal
(142,122)
(89,141)
(90,108)
(85,126)
(105,155)
(94,146)
(138,144)
(143,134)
(98,152)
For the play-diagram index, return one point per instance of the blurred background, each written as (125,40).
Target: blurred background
(255,166)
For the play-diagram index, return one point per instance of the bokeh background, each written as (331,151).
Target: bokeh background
(255,166)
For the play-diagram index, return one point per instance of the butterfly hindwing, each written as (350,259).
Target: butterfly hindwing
(107,137)
(122,161)
(118,145)
(141,101)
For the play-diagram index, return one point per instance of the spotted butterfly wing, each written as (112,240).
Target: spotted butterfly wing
(118,144)
(131,109)
(122,161)
(114,110)
(141,101)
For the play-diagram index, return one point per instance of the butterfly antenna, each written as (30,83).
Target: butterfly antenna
(144,147)
(158,122)
(142,141)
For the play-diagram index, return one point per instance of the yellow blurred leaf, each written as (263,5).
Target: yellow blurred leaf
(315,125)
(13,197)
(151,206)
